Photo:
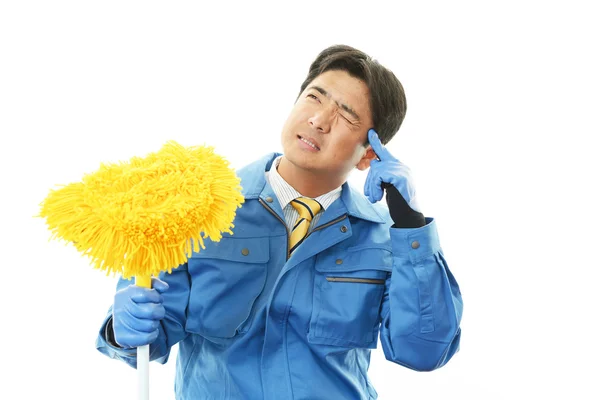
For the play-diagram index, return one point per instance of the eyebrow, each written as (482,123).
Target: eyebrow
(345,107)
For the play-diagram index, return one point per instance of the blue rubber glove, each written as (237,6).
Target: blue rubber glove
(137,312)
(388,170)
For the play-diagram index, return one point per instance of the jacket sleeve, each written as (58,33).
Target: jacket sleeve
(171,329)
(422,305)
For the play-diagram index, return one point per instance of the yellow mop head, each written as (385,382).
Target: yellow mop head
(144,216)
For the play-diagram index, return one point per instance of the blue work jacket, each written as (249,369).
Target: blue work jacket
(253,324)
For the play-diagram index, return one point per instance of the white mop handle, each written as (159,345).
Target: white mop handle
(143,368)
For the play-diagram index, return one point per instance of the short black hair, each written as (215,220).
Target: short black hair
(387,98)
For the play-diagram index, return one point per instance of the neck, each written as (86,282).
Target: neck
(307,183)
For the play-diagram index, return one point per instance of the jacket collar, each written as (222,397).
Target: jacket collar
(351,201)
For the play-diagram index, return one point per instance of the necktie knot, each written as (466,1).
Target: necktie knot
(306,207)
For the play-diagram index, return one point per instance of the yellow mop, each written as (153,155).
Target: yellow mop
(144,216)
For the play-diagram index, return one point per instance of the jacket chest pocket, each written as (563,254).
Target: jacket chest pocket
(348,291)
(226,279)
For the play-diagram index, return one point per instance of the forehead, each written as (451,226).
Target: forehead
(345,89)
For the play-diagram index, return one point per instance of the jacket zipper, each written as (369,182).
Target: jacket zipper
(355,280)
(335,221)
(283,222)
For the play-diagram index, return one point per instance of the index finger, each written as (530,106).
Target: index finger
(377,146)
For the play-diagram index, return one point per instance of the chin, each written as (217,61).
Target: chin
(300,160)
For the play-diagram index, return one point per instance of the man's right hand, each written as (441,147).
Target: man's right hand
(137,312)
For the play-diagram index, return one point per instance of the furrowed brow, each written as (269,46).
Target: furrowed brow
(345,107)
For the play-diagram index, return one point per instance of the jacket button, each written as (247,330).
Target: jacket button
(343,229)
(339,261)
(245,252)
(269,199)
(415,245)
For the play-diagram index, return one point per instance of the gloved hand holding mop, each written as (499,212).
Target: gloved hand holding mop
(136,315)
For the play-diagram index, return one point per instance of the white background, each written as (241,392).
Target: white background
(501,136)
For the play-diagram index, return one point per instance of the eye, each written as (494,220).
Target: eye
(312,96)
(346,118)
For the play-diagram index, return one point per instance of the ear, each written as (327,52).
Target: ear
(365,161)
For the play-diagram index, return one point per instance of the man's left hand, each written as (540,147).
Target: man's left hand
(388,170)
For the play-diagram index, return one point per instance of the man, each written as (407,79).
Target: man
(291,304)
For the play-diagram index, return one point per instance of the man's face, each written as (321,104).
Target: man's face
(332,113)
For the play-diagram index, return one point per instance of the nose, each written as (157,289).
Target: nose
(321,119)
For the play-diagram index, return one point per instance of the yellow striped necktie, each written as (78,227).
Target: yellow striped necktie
(307,208)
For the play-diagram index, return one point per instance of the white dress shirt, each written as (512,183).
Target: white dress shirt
(286,193)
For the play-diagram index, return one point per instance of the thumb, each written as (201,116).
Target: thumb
(159,285)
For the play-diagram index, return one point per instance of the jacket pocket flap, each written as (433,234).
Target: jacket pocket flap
(355,259)
(243,250)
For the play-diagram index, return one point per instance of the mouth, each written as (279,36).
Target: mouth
(309,142)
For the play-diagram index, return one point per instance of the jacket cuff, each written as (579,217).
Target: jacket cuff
(416,243)
(109,334)
(106,344)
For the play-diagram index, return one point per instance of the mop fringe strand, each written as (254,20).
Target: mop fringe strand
(145,216)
